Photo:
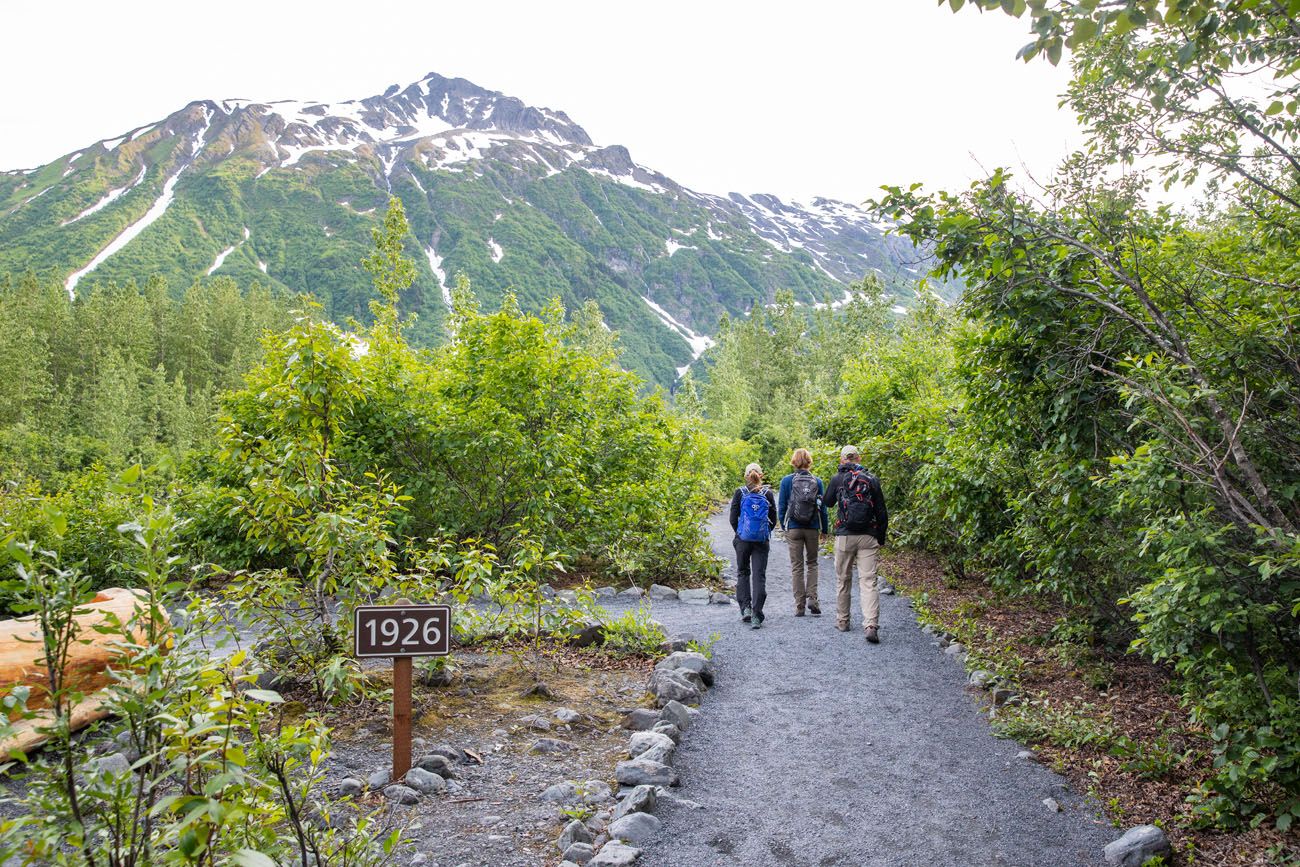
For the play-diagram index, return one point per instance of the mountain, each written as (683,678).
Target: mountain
(516,197)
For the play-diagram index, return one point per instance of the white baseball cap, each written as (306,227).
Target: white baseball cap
(849,452)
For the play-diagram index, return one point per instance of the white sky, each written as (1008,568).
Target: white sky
(799,98)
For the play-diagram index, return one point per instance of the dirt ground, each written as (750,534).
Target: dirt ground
(1114,690)
(491,813)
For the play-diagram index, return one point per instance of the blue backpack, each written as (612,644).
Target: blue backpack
(754,524)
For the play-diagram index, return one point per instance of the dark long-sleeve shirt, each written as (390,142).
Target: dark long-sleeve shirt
(735,507)
(787,490)
(881,524)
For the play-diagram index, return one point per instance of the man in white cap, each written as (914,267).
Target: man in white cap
(861,521)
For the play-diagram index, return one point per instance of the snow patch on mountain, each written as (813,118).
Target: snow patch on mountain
(628,181)
(221,257)
(158,208)
(294,153)
(108,199)
(699,343)
(497,252)
(435,265)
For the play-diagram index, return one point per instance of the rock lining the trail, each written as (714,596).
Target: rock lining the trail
(655,734)
(1137,846)
(814,742)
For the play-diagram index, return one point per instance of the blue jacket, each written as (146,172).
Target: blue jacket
(786,490)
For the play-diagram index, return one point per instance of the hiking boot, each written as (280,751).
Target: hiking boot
(873,635)
(814,609)
(758,621)
(745,615)
(842,627)
(798,612)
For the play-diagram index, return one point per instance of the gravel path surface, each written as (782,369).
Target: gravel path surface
(816,748)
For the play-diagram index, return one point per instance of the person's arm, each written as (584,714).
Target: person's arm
(882,514)
(784,501)
(735,510)
(821,490)
(832,491)
(771,510)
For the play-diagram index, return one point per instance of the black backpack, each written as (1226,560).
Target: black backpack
(805,497)
(857,503)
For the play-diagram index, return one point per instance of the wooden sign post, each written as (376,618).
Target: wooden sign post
(402,631)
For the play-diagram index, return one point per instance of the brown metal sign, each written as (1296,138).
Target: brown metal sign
(403,630)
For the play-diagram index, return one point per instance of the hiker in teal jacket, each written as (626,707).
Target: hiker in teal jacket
(802,514)
(753,517)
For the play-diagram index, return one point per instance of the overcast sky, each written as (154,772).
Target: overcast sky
(800,99)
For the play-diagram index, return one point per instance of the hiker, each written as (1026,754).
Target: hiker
(802,515)
(753,515)
(860,524)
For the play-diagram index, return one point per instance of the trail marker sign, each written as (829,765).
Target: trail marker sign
(402,631)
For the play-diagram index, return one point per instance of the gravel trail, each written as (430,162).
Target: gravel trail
(818,749)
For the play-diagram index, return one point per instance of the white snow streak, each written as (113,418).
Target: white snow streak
(628,181)
(221,257)
(435,265)
(157,210)
(296,153)
(699,343)
(112,196)
(497,252)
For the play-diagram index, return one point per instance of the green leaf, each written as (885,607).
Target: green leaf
(57,521)
(266,695)
(252,858)
(1084,30)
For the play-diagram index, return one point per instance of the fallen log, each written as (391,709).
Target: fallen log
(87,671)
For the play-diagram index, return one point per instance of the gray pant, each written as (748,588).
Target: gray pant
(803,546)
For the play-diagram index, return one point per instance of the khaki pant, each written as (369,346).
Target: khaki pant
(863,550)
(803,545)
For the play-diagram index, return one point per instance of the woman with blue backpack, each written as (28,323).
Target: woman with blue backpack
(753,516)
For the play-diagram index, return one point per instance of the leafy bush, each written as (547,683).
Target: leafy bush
(519,430)
(89,509)
(634,633)
(222,776)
